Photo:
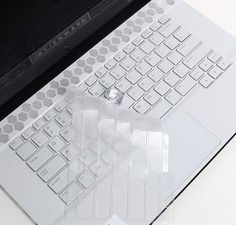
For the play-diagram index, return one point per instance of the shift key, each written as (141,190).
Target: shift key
(54,166)
(197,56)
(189,45)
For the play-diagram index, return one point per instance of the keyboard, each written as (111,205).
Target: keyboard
(102,191)
(156,70)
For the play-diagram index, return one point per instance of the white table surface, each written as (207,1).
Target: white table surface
(211,198)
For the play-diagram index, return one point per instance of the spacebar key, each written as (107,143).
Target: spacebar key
(197,56)
(160,110)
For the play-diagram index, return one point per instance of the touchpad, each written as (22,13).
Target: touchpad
(190,144)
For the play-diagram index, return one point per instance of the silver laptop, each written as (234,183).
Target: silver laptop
(172,63)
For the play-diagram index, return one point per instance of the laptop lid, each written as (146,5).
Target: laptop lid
(36,34)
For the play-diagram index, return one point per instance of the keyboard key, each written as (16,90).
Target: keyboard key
(155,26)
(147,47)
(206,65)
(136,93)
(107,81)
(91,80)
(133,77)
(173,97)
(164,19)
(87,157)
(127,102)
(166,66)
(153,59)
(62,180)
(157,39)
(172,79)
(60,106)
(129,48)
(67,152)
(197,56)
(156,75)
(188,46)
(128,64)
(172,43)
(52,128)
(120,56)
(86,179)
(147,33)
(104,147)
(196,74)
(101,72)
(138,41)
(28,133)
(71,193)
(56,144)
(39,124)
(214,57)
(162,88)
(109,158)
(152,97)
(143,68)
(146,84)
(160,109)
(40,158)
(181,70)
(168,29)
(66,134)
(40,139)
(182,34)
(82,87)
(142,107)
(162,51)
(98,168)
(206,81)
(26,150)
(186,86)
(123,86)
(224,64)
(17,142)
(51,168)
(175,58)
(97,90)
(69,99)
(138,55)
(49,115)
(63,119)
(110,64)
(215,72)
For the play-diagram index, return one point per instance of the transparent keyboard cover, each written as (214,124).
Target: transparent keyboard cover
(117,164)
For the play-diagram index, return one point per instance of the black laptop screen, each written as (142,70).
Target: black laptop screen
(28,24)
